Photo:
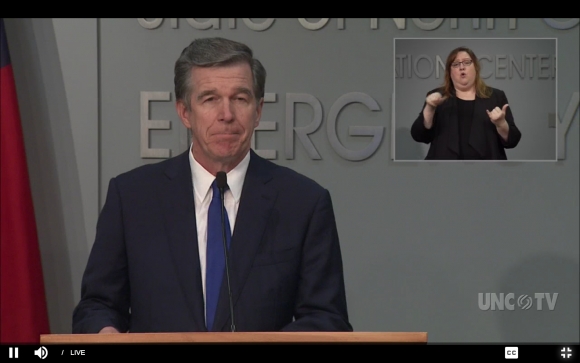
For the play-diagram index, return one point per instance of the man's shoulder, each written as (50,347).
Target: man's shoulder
(285,177)
(148,171)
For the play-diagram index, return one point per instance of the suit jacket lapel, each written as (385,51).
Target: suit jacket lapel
(256,203)
(176,195)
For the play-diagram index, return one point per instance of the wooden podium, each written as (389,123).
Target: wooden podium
(239,338)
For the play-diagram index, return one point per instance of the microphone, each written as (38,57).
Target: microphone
(222,183)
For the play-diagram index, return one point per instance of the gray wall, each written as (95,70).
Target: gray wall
(420,240)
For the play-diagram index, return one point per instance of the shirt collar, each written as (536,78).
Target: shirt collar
(202,178)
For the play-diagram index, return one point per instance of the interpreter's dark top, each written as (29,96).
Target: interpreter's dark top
(465,119)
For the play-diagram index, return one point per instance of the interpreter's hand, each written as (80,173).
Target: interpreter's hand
(431,103)
(497,115)
(435,99)
(108,330)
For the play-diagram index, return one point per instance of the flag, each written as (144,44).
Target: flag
(23,312)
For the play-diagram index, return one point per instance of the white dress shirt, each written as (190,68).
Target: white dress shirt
(202,195)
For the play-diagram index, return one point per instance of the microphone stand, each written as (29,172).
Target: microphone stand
(222,183)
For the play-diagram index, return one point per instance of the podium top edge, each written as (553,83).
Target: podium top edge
(236,337)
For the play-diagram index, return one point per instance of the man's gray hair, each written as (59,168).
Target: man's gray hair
(214,52)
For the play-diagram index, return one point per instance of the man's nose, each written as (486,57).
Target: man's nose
(226,111)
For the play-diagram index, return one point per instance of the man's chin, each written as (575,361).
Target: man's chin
(229,154)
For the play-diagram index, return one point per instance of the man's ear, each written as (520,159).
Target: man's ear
(183,113)
(259,112)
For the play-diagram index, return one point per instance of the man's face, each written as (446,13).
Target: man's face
(223,115)
(462,75)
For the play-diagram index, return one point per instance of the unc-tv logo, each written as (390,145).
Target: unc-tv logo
(501,301)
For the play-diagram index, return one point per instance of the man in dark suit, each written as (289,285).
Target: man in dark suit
(148,266)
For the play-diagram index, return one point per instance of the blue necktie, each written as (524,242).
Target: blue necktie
(215,262)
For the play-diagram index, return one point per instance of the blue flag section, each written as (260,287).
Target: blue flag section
(400,352)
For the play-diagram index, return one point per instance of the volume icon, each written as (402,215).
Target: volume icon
(41,352)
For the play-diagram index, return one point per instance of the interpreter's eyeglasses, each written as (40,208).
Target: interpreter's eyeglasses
(466,63)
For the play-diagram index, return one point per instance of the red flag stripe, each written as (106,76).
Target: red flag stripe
(23,312)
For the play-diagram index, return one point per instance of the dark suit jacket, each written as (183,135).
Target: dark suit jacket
(444,134)
(143,273)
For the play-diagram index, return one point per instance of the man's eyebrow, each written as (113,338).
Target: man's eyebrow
(206,93)
(244,90)
(211,92)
